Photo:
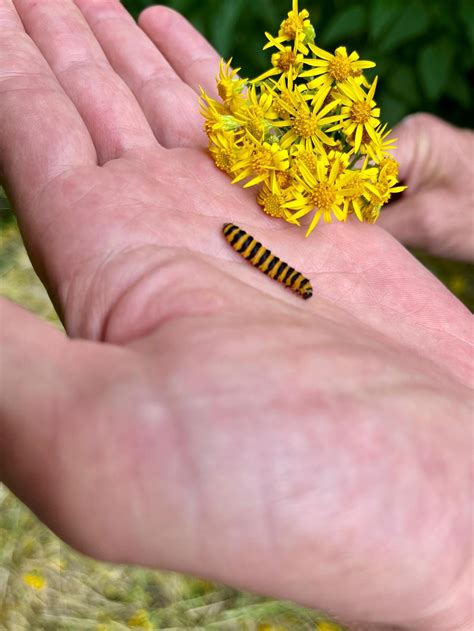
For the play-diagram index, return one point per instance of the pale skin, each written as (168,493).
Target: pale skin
(202,418)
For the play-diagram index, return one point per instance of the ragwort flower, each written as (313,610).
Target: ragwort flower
(306,132)
(260,159)
(333,69)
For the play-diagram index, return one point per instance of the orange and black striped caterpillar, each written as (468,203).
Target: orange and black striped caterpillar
(268,263)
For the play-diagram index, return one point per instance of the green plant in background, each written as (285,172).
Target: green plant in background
(423,48)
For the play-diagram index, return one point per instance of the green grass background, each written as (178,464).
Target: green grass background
(423,52)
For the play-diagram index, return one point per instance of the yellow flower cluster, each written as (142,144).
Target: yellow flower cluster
(307,132)
(35,581)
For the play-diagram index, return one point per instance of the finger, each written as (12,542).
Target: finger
(404,219)
(188,52)
(424,150)
(431,154)
(169,104)
(407,218)
(423,222)
(41,133)
(108,108)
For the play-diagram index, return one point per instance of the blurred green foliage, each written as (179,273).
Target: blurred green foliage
(423,48)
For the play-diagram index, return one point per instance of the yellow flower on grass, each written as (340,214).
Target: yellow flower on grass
(358,111)
(35,581)
(325,191)
(307,122)
(329,69)
(326,625)
(140,619)
(457,284)
(261,103)
(260,159)
(283,95)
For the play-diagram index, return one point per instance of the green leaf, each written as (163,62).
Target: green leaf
(223,27)
(393,109)
(466,13)
(434,65)
(459,89)
(402,83)
(412,22)
(382,14)
(182,6)
(345,24)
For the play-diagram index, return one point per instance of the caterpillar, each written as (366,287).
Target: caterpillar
(268,263)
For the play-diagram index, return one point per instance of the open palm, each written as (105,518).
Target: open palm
(213,422)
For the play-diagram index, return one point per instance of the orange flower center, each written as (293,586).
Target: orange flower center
(261,160)
(339,68)
(290,26)
(390,166)
(309,159)
(323,195)
(284,60)
(305,124)
(272,205)
(223,160)
(284,179)
(357,183)
(255,127)
(360,112)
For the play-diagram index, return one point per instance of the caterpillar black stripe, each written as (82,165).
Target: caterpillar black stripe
(268,263)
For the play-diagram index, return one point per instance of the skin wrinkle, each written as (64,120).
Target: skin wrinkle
(110,260)
(142,280)
(161,79)
(83,197)
(98,331)
(132,289)
(87,64)
(204,60)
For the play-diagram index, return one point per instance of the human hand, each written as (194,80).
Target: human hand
(436,211)
(208,421)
